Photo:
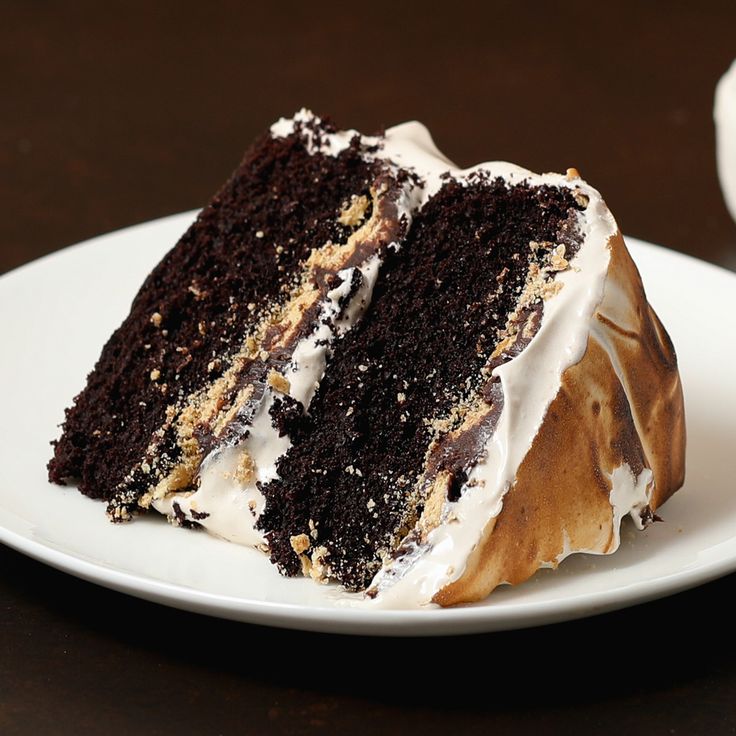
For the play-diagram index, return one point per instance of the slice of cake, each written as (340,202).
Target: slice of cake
(387,372)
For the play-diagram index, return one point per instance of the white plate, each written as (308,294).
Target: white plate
(56,314)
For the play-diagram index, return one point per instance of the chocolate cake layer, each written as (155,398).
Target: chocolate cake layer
(347,487)
(236,261)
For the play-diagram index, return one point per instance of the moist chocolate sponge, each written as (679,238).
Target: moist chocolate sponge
(347,479)
(194,306)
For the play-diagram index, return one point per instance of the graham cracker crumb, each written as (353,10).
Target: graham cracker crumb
(572,173)
(530,327)
(435,502)
(319,570)
(354,213)
(155,374)
(278,382)
(245,473)
(306,565)
(550,289)
(156,319)
(120,513)
(580,198)
(313,529)
(198,293)
(300,543)
(558,262)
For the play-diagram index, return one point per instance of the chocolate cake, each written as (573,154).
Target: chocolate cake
(380,370)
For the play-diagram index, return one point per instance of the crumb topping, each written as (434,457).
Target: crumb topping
(245,472)
(278,382)
(354,213)
(300,543)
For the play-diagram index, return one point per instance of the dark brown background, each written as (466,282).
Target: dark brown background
(111,117)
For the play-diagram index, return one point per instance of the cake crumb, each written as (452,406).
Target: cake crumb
(353,213)
(156,319)
(582,199)
(155,374)
(300,543)
(251,306)
(313,529)
(245,473)
(119,513)
(550,289)
(558,262)
(259,234)
(401,397)
(278,382)
(362,368)
(198,293)
(319,570)
(306,565)
(530,326)
(572,173)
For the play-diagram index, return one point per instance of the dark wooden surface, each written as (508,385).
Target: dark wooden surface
(113,114)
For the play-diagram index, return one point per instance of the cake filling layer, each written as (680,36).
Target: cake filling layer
(226,498)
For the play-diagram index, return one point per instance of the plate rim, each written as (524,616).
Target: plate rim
(370,622)
(361,621)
